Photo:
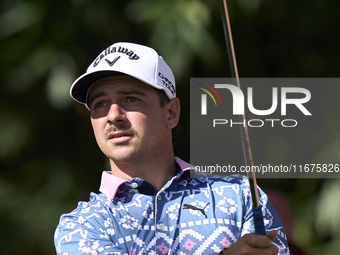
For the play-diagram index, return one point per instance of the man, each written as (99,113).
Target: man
(148,204)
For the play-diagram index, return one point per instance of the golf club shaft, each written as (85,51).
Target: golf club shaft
(257,209)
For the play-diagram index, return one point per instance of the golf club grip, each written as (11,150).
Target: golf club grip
(258,221)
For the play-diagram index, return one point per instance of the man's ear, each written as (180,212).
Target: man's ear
(174,111)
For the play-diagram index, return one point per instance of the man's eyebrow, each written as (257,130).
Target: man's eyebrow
(94,97)
(132,91)
(120,92)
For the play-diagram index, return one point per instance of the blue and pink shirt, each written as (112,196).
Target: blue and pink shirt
(187,216)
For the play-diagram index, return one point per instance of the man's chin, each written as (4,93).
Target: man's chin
(124,157)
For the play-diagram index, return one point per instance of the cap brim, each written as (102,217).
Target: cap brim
(80,87)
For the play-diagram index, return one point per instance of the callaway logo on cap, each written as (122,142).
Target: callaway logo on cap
(138,61)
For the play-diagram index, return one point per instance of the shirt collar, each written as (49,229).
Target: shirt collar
(110,183)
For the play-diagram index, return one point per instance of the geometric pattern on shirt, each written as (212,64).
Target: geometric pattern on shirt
(128,219)
(227,205)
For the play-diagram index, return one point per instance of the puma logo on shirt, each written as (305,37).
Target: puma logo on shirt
(187,206)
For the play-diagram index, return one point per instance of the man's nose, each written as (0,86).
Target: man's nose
(116,113)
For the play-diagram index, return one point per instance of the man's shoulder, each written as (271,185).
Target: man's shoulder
(235,186)
(95,207)
(220,179)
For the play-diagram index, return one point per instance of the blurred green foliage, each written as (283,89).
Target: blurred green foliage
(49,159)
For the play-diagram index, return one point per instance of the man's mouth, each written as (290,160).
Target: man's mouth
(119,136)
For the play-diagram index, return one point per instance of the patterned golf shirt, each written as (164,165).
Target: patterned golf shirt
(187,216)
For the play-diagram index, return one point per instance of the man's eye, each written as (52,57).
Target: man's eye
(99,105)
(132,99)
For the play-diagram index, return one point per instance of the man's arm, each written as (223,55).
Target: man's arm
(275,240)
(76,235)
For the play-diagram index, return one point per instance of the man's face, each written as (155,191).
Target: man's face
(127,118)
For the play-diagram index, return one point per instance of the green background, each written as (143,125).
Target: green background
(49,159)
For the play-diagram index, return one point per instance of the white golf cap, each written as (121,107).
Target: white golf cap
(138,61)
